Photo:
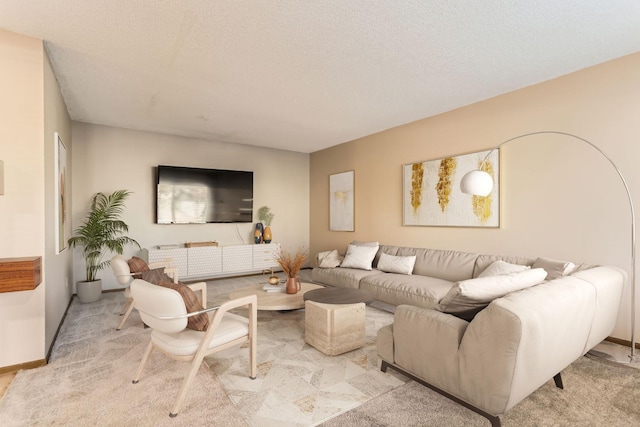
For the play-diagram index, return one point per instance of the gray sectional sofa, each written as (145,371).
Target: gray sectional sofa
(502,353)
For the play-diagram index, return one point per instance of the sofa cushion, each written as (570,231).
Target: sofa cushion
(329,259)
(341,277)
(501,267)
(399,289)
(554,268)
(448,265)
(484,261)
(396,264)
(466,298)
(369,244)
(359,257)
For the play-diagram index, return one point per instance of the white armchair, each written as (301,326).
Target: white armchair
(124,276)
(163,309)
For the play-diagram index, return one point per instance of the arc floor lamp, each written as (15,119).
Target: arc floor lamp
(480,183)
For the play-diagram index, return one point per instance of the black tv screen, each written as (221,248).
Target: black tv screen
(196,196)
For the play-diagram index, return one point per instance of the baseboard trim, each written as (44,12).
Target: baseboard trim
(21,366)
(55,337)
(625,343)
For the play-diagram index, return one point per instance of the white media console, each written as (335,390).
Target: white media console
(218,261)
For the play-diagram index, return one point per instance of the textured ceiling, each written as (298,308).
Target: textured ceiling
(306,75)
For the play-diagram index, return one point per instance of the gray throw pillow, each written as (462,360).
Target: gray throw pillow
(467,297)
(554,267)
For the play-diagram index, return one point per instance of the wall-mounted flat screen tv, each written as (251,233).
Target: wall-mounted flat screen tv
(197,196)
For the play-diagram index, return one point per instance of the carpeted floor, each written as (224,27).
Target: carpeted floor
(597,393)
(88,382)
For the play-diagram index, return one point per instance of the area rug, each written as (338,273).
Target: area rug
(297,385)
(597,393)
(88,379)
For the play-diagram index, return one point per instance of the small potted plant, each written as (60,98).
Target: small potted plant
(291,265)
(266,216)
(102,231)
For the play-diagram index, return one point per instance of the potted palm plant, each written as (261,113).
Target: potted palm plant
(102,231)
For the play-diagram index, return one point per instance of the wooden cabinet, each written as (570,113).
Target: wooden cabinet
(204,261)
(264,256)
(212,261)
(237,259)
(20,274)
(178,255)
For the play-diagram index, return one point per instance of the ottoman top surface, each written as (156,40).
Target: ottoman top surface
(339,296)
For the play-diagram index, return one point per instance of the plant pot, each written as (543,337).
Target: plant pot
(89,291)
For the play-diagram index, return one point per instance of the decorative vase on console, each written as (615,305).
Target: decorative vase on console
(291,266)
(265,216)
(266,236)
(257,235)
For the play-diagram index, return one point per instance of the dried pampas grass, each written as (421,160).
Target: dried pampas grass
(291,265)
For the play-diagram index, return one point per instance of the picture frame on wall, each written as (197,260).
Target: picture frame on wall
(432,195)
(62,223)
(341,201)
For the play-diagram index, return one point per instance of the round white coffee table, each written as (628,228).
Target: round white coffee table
(276,300)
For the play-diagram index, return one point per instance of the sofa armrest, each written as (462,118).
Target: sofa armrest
(426,343)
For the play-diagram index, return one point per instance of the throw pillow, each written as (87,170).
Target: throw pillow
(467,297)
(554,268)
(359,257)
(199,322)
(155,276)
(501,267)
(329,259)
(137,265)
(396,264)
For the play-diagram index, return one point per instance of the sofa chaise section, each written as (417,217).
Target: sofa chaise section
(510,348)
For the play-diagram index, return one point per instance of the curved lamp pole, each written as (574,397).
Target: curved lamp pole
(480,183)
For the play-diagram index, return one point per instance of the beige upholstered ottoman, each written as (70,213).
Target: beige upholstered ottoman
(334,328)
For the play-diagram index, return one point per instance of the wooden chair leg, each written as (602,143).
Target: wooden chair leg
(143,362)
(193,370)
(126,306)
(253,342)
(129,307)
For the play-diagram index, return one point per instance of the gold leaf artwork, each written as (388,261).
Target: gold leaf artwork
(482,204)
(443,187)
(417,175)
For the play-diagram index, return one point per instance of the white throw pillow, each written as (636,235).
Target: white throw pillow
(554,268)
(500,267)
(396,264)
(467,297)
(329,259)
(359,257)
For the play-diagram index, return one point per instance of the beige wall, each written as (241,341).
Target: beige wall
(58,266)
(22,212)
(32,109)
(107,159)
(560,197)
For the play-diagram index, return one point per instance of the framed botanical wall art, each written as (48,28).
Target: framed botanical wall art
(432,195)
(341,201)
(61,218)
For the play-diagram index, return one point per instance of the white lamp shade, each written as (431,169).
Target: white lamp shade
(477,183)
